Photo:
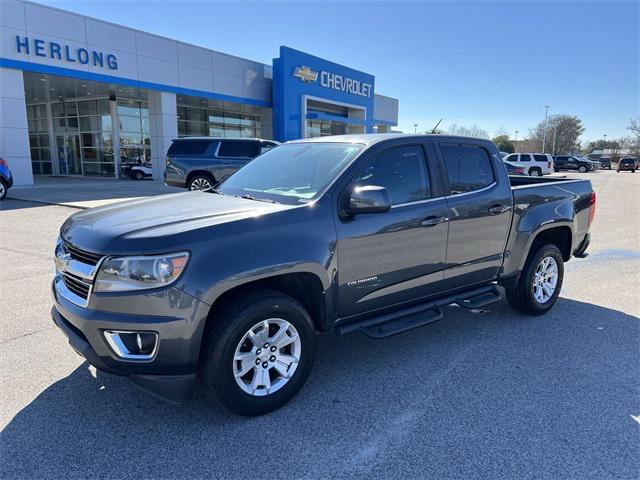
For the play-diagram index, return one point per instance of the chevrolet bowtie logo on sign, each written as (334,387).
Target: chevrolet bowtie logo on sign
(305,74)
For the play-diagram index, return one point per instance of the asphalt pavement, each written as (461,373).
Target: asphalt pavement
(491,394)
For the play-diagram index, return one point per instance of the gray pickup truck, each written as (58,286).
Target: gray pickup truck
(374,234)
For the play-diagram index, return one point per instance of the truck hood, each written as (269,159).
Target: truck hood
(149,224)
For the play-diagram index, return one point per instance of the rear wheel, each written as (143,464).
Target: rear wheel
(540,281)
(201,182)
(259,352)
(3,189)
(535,172)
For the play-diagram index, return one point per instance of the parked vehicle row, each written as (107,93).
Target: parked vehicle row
(359,233)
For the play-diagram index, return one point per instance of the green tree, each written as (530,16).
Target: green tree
(563,134)
(504,144)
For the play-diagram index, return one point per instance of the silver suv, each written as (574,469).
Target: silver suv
(199,163)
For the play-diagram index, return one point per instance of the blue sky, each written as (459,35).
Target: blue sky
(493,64)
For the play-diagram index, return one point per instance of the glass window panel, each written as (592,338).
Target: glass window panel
(129,108)
(87,107)
(59,124)
(91,140)
(144,110)
(98,169)
(71,109)
(90,124)
(107,139)
(31,112)
(182,129)
(127,138)
(103,107)
(105,123)
(196,114)
(129,124)
(57,109)
(216,116)
(132,155)
(196,129)
(73,125)
(145,125)
(232,118)
(216,131)
(182,113)
(38,140)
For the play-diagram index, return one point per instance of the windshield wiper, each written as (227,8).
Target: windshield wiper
(251,197)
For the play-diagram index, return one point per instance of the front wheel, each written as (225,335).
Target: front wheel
(258,352)
(540,282)
(3,189)
(582,169)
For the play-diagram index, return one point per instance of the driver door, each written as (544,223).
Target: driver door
(395,256)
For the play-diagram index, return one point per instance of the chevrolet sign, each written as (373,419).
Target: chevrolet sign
(333,81)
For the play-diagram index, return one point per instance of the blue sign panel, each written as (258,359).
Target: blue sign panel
(65,53)
(298,75)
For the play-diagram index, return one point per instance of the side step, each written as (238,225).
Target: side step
(393,323)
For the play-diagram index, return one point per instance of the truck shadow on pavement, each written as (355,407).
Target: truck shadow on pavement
(496,395)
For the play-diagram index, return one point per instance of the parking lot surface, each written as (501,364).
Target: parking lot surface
(488,394)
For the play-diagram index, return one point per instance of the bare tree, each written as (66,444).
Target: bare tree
(473,131)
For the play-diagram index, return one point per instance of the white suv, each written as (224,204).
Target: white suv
(534,164)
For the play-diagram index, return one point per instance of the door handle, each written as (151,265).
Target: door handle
(498,209)
(432,221)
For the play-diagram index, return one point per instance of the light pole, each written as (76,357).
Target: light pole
(604,143)
(515,143)
(415,128)
(554,140)
(544,135)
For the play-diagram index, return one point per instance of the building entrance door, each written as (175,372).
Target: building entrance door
(69,155)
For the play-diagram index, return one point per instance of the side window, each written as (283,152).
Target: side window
(525,157)
(512,158)
(189,147)
(540,158)
(266,146)
(238,148)
(401,170)
(468,167)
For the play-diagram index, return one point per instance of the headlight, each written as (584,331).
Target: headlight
(121,274)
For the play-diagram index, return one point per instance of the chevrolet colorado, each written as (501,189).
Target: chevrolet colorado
(370,233)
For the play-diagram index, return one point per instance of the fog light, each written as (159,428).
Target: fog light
(132,345)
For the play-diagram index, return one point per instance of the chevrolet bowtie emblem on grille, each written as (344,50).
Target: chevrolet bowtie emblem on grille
(61,260)
(305,74)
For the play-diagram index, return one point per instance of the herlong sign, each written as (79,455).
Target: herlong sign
(65,53)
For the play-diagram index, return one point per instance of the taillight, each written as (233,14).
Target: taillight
(520,170)
(592,210)
(549,165)
(3,162)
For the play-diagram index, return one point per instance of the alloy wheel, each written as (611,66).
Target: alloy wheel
(200,183)
(546,279)
(534,173)
(267,357)
(3,190)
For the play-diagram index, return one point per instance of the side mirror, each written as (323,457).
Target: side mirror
(367,199)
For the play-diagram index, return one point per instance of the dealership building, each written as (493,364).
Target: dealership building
(82,97)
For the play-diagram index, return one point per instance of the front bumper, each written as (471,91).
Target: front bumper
(171,373)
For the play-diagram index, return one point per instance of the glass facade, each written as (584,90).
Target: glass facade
(217,119)
(323,128)
(39,139)
(133,130)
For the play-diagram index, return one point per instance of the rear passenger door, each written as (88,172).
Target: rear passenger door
(480,206)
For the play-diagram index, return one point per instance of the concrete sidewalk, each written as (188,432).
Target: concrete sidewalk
(88,192)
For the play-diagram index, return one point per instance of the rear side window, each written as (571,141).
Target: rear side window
(525,157)
(468,167)
(540,158)
(401,170)
(512,158)
(266,146)
(239,149)
(189,147)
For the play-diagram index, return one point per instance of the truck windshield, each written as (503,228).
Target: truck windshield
(291,173)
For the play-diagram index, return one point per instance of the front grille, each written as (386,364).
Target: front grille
(82,255)
(76,285)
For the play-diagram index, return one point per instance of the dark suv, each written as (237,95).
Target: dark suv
(627,164)
(199,163)
(571,162)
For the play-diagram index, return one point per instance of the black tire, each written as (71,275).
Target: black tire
(200,178)
(3,189)
(582,169)
(234,319)
(535,172)
(139,175)
(521,298)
